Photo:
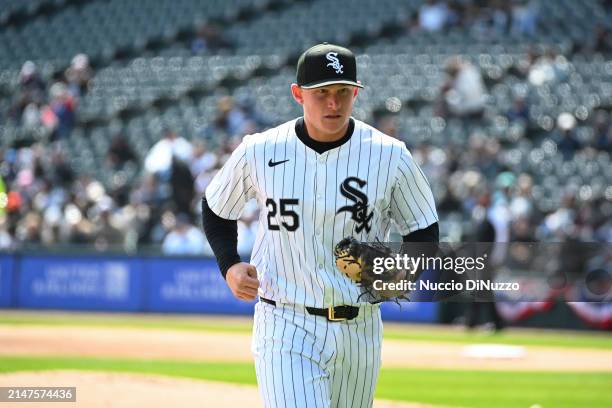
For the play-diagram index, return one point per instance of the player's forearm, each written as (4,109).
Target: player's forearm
(222,236)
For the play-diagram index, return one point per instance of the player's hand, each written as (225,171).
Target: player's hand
(242,280)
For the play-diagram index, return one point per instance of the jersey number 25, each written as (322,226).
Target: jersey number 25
(285,211)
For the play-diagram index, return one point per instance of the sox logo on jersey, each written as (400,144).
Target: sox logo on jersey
(359,210)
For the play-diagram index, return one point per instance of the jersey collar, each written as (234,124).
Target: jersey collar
(321,147)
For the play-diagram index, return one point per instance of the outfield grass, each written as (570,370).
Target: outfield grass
(231,325)
(510,336)
(444,387)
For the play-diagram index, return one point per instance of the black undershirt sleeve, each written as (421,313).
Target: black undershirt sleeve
(222,236)
(422,242)
(429,234)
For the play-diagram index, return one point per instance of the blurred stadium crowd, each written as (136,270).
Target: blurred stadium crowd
(110,132)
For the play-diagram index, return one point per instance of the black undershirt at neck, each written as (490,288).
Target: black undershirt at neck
(321,147)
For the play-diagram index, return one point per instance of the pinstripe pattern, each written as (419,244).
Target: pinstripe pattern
(395,187)
(303,360)
(314,359)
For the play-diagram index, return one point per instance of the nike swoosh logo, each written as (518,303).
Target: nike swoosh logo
(272,164)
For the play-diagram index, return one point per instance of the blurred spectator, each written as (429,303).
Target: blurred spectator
(184,238)
(149,192)
(490,20)
(388,125)
(31,92)
(209,37)
(549,68)
(78,75)
(463,94)
(62,173)
(159,158)
(412,23)
(30,118)
(29,79)
(521,203)
(522,230)
(565,136)
(486,230)
(602,132)
(60,116)
(6,240)
(560,221)
(29,229)
(525,14)
(203,159)
(232,116)
(106,232)
(181,182)
(500,17)
(247,228)
(433,15)
(120,152)
(600,41)
(519,111)
(247,232)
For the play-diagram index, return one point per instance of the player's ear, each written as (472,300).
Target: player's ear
(356,90)
(296,91)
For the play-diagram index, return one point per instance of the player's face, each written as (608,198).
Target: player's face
(326,109)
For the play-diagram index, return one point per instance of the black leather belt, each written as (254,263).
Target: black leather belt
(333,314)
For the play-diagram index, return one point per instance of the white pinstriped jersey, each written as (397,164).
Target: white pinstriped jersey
(310,201)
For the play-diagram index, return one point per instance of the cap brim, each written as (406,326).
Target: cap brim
(326,83)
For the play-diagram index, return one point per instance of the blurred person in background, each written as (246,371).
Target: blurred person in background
(548,68)
(106,232)
(565,136)
(486,230)
(78,75)
(120,153)
(433,15)
(463,94)
(525,14)
(209,37)
(182,187)
(7,242)
(31,91)
(202,165)
(29,229)
(203,158)
(159,158)
(519,112)
(521,200)
(60,115)
(603,132)
(184,238)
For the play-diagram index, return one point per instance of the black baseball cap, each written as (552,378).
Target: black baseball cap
(327,64)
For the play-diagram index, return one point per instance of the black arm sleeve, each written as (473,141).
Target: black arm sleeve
(422,242)
(429,234)
(222,236)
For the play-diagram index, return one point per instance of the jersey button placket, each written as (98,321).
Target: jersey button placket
(320,200)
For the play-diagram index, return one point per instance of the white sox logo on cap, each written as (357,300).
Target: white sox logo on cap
(335,62)
(326,64)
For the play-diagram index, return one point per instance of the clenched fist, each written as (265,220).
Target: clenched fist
(242,280)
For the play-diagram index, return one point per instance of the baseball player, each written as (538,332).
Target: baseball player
(317,179)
